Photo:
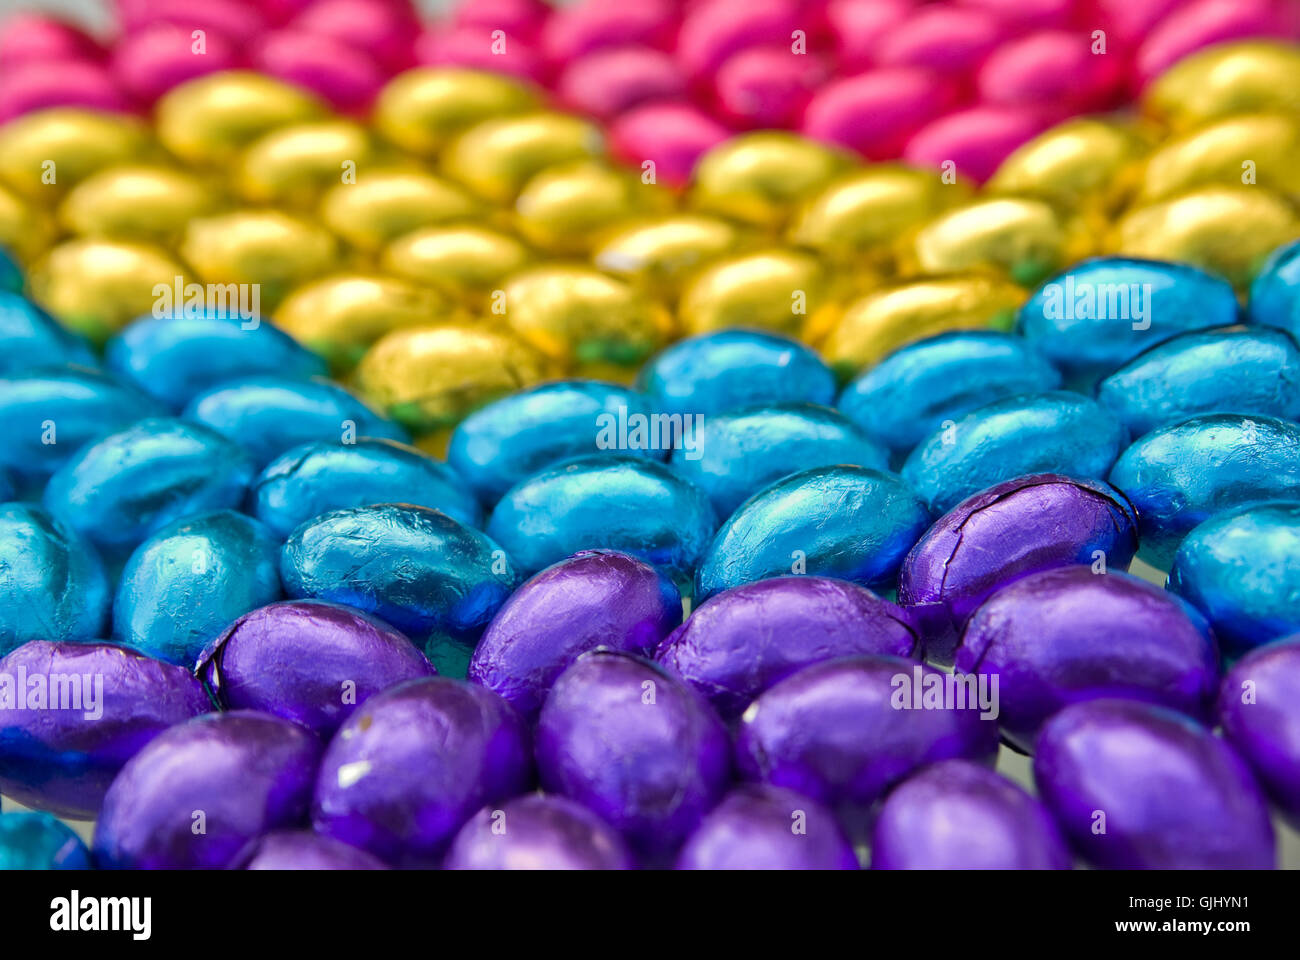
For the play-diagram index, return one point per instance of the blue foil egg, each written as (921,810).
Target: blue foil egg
(269,415)
(909,395)
(509,440)
(1275,293)
(1055,432)
(734,369)
(623,503)
(849,522)
(1254,370)
(176,358)
(1096,316)
(1239,569)
(184,585)
(11,277)
(30,840)
(30,337)
(52,584)
(437,580)
(734,455)
(130,484)
(318,477)
(47,415)
(1180,475)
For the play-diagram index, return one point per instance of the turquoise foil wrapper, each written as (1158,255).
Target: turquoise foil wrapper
(1275,293)
(30,338)
(39,841)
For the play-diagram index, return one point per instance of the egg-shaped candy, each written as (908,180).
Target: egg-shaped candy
(307,661)
(26,231)
(421,110)
(850,522)
(70,141)
(658,255)
(598,598)
(148,204)
(1267,146)
(846,730)
(174,358)
(1242,76)
(305,850)
(1137,786)
(875,112)
(1097,316)
(974,141)
(1259,708)
(1205,23)
(626,503)
(664,139)
(958,815)
(74,713)
(1184,473)
(1053,432)
(30,338)
(1006,532)
(236,775)
(437,580)
(779,290)
(468,262)
(567,209)
(293,166)
(31,840)
(187,582)
(497,155)
(733,369)
(388,203)
(907,396)
(414,763)
(738,643)
(538,832)
(1072,164)
(1275,293)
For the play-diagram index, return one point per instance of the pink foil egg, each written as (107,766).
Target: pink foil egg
(1200,24)
(766,86)
(36,86)
(32,37)
(1128,21)
(942,38)
(518,18)
(714,31)
(595,24)
(386,31)
(857,28)
(608,82)
(877,112)
(976,139)
(671,135)
(1052,69)
(241,22)
(340,74)
(148,63)
(1031,14)
(478,47)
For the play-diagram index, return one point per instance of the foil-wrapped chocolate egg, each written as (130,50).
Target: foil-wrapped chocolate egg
(146,204)
(1225,79)
(1265,147)
(598,598)
(1275,293)
(384,204)
(1082,161)
(850,522)
(1258,707)
(187,582)
(568,208)
(25,230)
(74,713)
(777,290)
(202,792)
(45,154)
(414,763)
(305,850)
(31,840)
(538,832)
(738,643)
(293,166)
(972,142)
(658,254)
(468,262)
(497,156)
(1137,786)
(421,110)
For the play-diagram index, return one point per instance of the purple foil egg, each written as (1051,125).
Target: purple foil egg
(538,832)
(414,763)
(1066,635)
(1259,707)
(1003,533)
(741,641)
(636,745)
(958,815)
(202,792)
(1136,786)
(598,598)
(761,827)
(304,850)
(99,705)
(846,730)
(308,661)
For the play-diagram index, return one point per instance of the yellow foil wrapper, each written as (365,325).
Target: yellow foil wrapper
(1252,76)
(658,255)
(25,230)
(428,378)
(1261,149)
(1228,230)
(878,324)
(149,204)
(567,209)
(466,262)
(497,157)
(97,286)
(44,155)
(760,178)
(778,290)
(274,250)
(293,166)
(385,204)
(421,110)
(1080,161)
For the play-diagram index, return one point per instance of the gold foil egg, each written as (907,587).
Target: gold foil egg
(150,204)
(428,378)
(1249,149)
(566,209)
(1227,230)
(382,205)
(778,290)
(759,178)
(45,154)
(495,158)
(657,255)
(421,110)
(467,262)
(1251,76)
(294,165)
(25,230)
(97,286)
(879,323)
(207,121)
(1072,163)
(273,250)
(583,320)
